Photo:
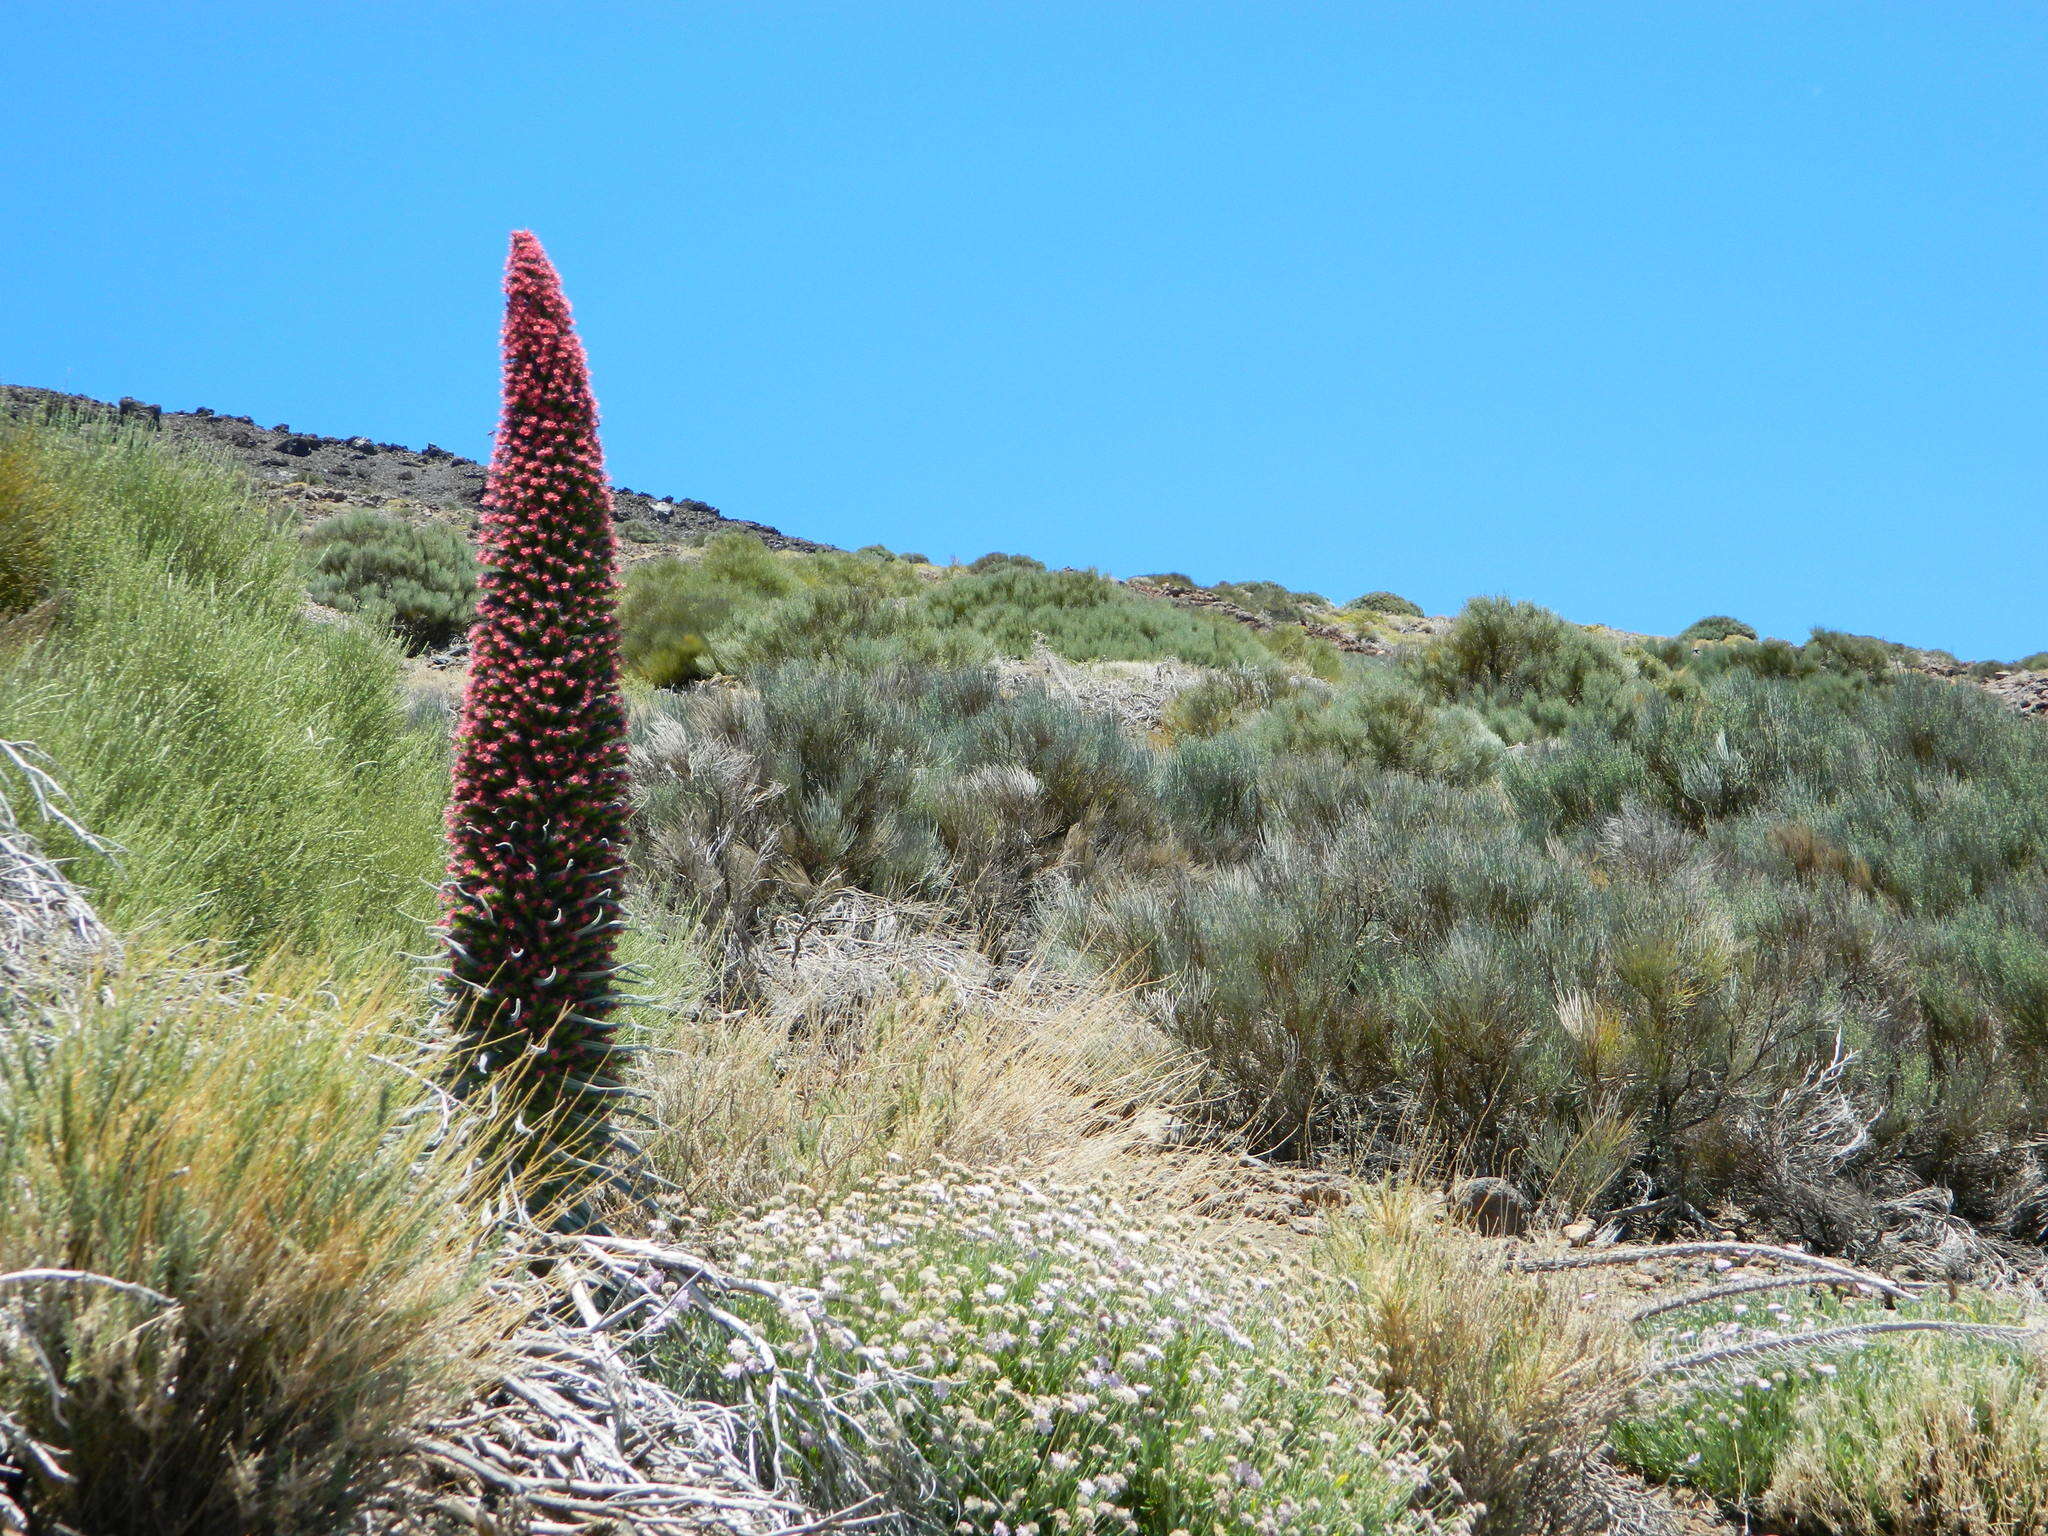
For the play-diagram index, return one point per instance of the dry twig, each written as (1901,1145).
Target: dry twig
(578,1434)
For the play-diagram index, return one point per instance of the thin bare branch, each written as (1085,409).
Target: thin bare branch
(1825,1337)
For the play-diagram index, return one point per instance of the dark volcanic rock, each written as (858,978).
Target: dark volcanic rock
(1492,1207)
(432,477)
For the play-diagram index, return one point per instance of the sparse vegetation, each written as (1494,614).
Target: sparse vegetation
(1658,951)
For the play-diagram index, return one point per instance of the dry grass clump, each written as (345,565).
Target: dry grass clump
(748,1104)
(1520,1375)
(246,1155)
(1942,1443)
(1901,1435)
(1023,1360)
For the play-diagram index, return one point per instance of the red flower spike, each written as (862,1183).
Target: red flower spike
(537,821)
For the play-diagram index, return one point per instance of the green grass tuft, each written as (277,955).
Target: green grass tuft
(256,766)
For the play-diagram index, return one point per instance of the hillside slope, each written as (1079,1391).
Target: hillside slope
(357,471)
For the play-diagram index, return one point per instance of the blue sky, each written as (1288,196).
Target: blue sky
(1638,311)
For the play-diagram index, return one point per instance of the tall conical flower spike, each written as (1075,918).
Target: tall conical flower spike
(540,753)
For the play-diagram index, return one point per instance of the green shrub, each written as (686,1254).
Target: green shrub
(741,608)
(668,609)
(994,561)
(1383,721)
(1035,1361)
(1860,655)
(417,579)
(257,766)
(853,627)
(1386,602)
(2038,662)
(1271,600)
(1527,670)
(1084,617)
(1173,579)
(1296,647)
(744,566)
(1221,699)
(1717,627)
(250,1158)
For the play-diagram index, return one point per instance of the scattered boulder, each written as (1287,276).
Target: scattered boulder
(1491,1207)
(2026,692)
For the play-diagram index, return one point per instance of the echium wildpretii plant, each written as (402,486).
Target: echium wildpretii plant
(537,821)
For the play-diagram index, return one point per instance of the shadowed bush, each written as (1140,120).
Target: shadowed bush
(29,510)
(668,609)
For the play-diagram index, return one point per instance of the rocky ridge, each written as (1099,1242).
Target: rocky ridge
(332,473)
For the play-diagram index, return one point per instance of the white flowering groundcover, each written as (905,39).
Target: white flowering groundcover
(1006,1359)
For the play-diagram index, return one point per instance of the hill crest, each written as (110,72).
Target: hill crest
(364,471)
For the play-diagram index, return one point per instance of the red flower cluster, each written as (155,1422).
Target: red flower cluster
(537,823)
